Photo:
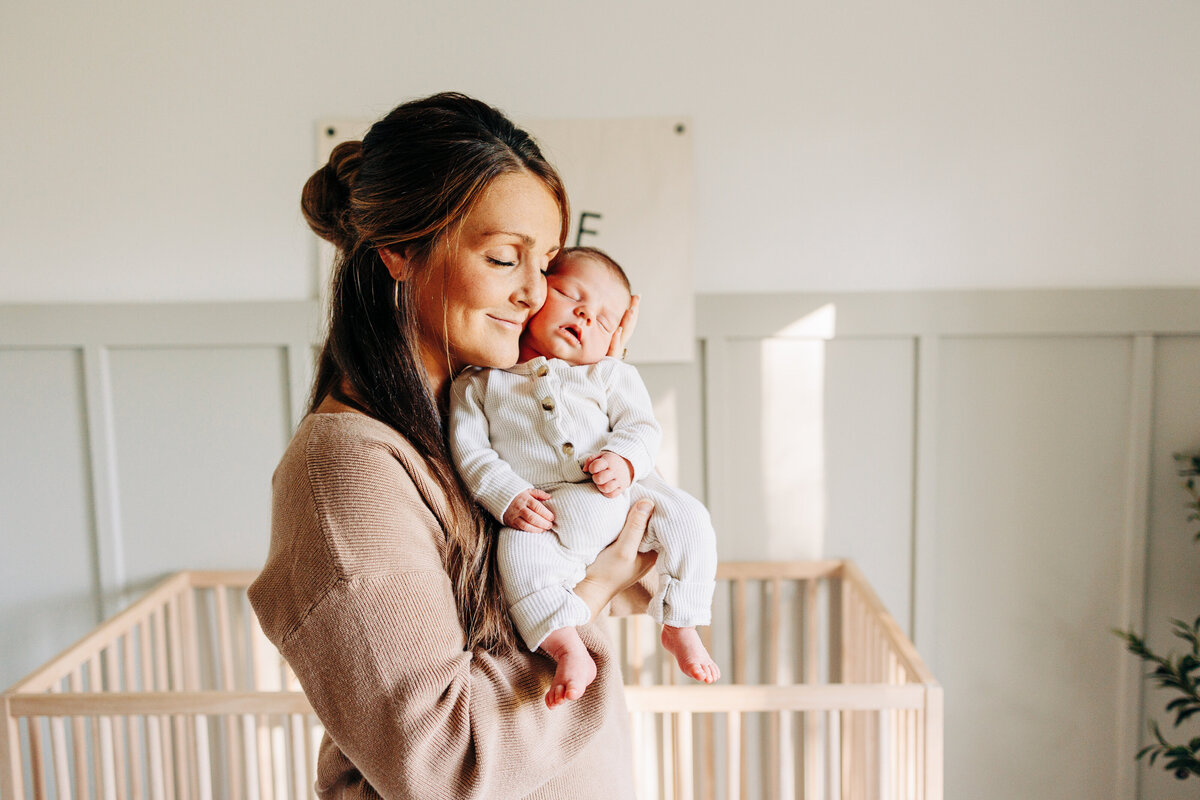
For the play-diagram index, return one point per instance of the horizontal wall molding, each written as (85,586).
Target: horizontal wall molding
(1035,312)
(159,324)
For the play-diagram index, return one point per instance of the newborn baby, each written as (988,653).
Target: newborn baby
(558,448)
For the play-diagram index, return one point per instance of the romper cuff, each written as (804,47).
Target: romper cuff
(499,496)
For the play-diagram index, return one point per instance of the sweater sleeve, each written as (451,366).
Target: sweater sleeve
(635,433)
(492,481)
(380,651)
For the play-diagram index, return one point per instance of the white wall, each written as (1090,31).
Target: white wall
(997,462)
(156,150)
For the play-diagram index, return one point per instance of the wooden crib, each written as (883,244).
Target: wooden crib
(181,697)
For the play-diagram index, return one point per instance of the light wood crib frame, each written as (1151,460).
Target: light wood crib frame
(181,697)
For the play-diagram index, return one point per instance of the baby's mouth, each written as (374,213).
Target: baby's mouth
(575,332)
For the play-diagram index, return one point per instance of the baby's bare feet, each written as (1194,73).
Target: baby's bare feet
(576,669)
(694,660)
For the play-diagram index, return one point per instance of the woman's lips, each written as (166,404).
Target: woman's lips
(508,323)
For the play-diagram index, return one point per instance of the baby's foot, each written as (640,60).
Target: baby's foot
(576,669)
(694,660)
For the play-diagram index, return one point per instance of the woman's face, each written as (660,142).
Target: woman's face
(484,283)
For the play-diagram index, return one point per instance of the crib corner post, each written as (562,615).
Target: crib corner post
(11,786)
(933,734)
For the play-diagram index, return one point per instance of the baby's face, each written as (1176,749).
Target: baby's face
(584,305)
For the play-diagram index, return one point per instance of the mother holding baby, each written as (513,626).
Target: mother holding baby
(381,588)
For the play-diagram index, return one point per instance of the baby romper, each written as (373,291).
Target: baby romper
(533,426)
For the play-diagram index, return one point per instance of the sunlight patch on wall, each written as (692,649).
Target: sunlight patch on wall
(793,446)
(666,411)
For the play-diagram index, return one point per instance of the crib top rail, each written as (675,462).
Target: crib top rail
(178,588)
(903,646)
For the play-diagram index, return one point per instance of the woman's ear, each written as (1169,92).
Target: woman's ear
(397,262)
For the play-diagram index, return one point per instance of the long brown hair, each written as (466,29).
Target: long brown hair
(410,182)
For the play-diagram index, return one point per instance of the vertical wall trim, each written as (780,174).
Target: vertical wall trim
(300,375)
(1132,608)
(923,626)
(102,454)
(715,365)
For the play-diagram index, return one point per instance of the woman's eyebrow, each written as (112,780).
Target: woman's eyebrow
(525,238)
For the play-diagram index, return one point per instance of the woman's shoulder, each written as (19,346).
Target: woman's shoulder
(374,496)
(329,443)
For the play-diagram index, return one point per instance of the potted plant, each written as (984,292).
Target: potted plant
(1180,674)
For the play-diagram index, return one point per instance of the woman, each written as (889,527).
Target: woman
(380,588)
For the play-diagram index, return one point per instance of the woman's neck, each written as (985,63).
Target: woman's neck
(437,374)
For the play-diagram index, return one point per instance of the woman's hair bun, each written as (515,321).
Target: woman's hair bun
(325,199)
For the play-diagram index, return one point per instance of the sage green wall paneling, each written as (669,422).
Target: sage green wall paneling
(768,461)
(198,432)
(1032,443)
(869,463)
(1173,558)
(47,581)
(676,393)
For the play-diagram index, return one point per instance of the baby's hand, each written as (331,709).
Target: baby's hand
(528,513)
(611,473)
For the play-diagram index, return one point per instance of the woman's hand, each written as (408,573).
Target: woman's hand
(624,331)
(620,564)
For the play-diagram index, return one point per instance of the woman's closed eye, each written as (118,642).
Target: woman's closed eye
(500,263)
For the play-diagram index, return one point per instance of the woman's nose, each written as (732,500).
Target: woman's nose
(532,292)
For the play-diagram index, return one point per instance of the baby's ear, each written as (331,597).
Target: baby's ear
(397,261)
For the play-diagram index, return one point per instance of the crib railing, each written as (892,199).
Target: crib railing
(181,696)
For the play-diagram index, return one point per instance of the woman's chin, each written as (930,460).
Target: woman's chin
(501,357)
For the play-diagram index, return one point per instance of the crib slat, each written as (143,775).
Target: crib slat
(739,665)
(637,659)
(810,673)
(739,631)
(116,724)
(166,744)
(225,642)
(78,739)
(36,766)
(776,763)
(182,765)
(933,764)
(299,754)
(11,780)
(108,779)
(707,736)
(733,755)
(250,757)
(266,774)
(58,751)
(150,725)
(683,756)
(639,760)
(265,679)
(154,758)
(203,758)
(133,740)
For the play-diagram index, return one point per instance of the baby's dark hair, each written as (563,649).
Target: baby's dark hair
(591,252)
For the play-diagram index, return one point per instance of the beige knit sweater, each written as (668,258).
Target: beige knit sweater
(355,596)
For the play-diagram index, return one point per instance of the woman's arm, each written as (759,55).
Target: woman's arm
(355,596)
(619,565)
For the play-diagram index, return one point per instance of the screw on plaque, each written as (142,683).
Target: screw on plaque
(331,132)
(679,128)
